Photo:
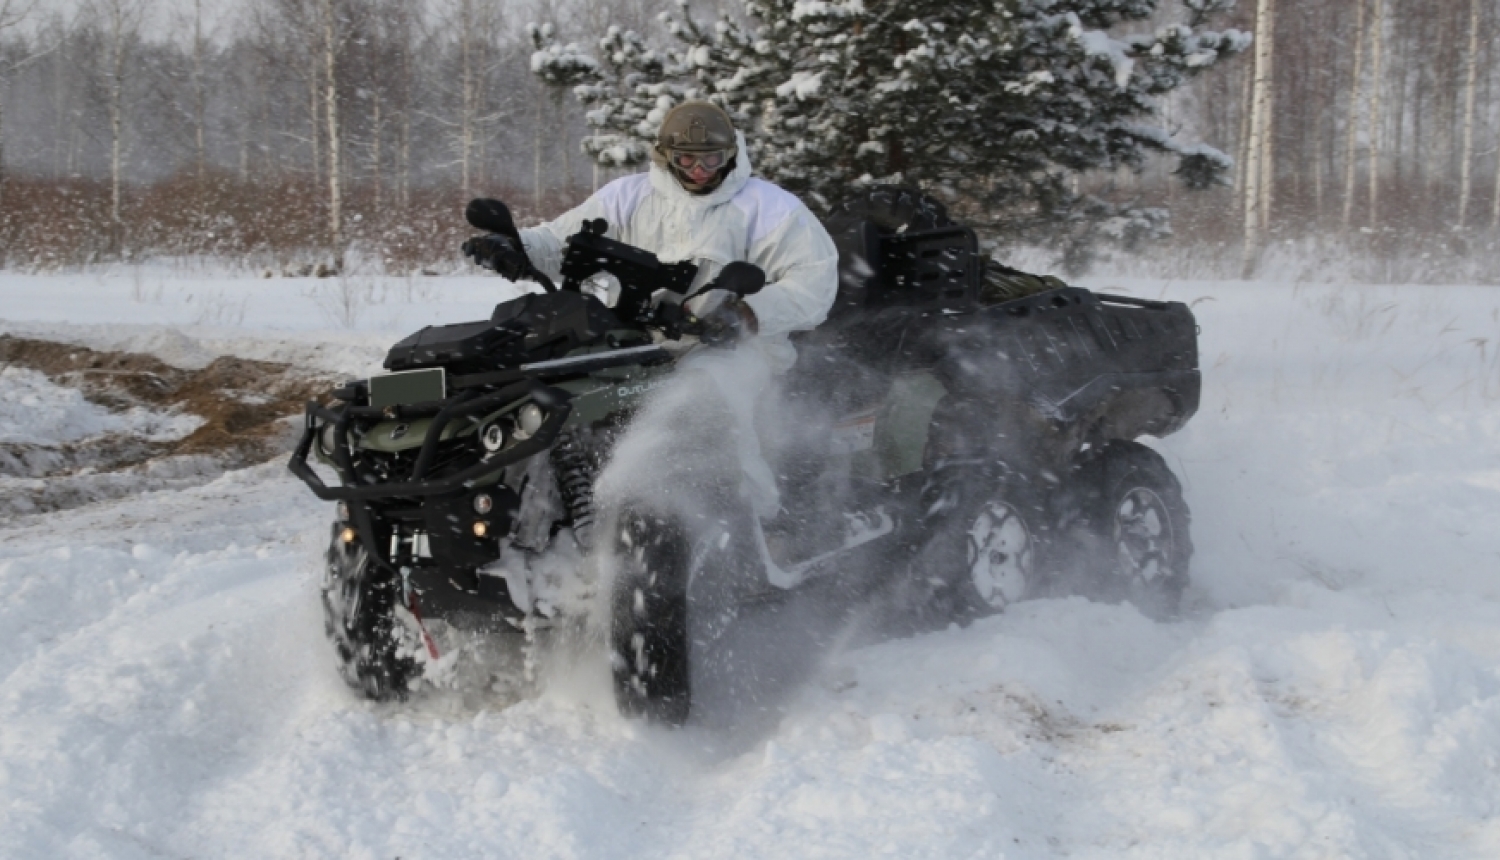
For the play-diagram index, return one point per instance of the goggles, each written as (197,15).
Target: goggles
(714,160)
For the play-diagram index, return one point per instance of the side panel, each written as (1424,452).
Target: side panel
(1124,367)
(903,421)
(597,397)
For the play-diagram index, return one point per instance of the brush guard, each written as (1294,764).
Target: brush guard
(317,416)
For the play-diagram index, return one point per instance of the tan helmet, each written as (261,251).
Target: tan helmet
(700,128)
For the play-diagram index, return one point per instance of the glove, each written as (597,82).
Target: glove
(727,323)
(499,254)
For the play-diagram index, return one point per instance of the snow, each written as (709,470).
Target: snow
(1333,691)
(803,85)
(1098,43)
(37,412)
(187,315)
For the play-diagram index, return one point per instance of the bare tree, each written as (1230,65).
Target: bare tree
(1466,158)
(121,20)
(468,112)
(12,12)
(332,46)
(1495,200)
(1267,142)
(1352,127)
(1377,69)
(290,35)
(1258,167)
(402,34)
(200,97)
(313,35)
(313,100)
(476,27)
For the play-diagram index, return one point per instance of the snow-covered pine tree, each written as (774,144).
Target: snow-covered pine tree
(626,59)
(995,105)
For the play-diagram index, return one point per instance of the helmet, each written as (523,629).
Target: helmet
(696,133)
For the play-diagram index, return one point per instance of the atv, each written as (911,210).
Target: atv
(966,439)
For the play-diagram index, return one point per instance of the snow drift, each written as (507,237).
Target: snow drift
(165,689)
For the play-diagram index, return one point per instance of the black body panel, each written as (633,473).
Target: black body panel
(532,327)
(1047,374)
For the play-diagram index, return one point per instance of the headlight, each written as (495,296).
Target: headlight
(529,419)
(493,437)
(328,438)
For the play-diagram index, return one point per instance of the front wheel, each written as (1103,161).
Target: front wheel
(1129,529)
(679,582)
(359,616)
(649,618)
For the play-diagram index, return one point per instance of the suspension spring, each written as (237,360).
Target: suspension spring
(576,465)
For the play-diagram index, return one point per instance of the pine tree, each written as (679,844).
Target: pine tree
(995,105)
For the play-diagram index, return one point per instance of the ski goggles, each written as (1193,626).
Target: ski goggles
(712,160)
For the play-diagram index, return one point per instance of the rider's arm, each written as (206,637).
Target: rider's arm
(544,243)
(614,203)
(801,266)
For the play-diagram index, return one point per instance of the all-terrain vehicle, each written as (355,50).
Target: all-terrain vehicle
(965,439)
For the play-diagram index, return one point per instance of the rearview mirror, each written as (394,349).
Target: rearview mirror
(491,216)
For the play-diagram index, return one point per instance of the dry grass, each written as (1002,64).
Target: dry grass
(279,224)
(241,402)
(275,223)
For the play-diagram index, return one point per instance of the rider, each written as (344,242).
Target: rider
(699,202)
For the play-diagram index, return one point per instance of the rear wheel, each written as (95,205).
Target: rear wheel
(1001,553)
(1129,529)
(985,542)
(359,616)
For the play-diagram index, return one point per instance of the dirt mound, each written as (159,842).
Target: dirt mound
(244,405)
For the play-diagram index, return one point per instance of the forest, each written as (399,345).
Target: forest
(292,133)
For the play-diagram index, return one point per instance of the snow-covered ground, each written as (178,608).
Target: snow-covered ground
(1334,691)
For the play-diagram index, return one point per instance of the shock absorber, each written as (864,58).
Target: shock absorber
(575,463)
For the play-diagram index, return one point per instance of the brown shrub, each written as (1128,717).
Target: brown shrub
(276,221)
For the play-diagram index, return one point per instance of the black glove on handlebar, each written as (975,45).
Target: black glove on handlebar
(726,324)
(499,254)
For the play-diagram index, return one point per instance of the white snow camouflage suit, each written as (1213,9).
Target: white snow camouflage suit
(744,218)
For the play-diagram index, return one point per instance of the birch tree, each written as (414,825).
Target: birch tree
(332,45)
(12,12)
(475,25)
(1466,157)
(1267,142)
(121,21)
(386,75)
(1351,129)
(288,34)
(1377,69)
(402,34)
(1258,168)
(200,98)
(468,111)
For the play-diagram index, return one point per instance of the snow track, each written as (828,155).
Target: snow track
(1334,692)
